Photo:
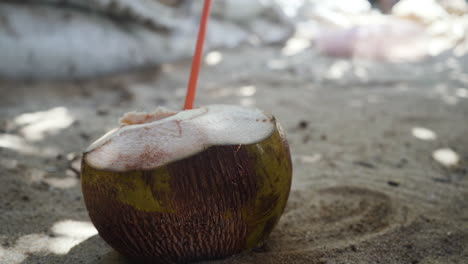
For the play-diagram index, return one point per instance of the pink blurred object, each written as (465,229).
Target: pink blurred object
(387,5)
(393,40)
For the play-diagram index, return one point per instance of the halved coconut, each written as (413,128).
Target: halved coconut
(194,185)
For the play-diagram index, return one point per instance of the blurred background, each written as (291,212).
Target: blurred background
(56,39)
(373,96)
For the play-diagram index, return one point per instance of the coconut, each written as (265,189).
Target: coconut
(195,185)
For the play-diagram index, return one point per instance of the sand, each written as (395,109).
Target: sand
(366,189)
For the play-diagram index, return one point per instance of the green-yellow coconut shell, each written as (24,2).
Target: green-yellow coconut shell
(213,204)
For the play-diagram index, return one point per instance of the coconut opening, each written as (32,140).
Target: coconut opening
(136,118)
(149,140)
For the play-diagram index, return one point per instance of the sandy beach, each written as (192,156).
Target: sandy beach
(368,184)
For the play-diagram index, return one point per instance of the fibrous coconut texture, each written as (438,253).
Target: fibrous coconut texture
(149,140)
(57,39)
(196,185)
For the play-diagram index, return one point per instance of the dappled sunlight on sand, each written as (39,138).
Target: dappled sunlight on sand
(247,91)
(69,180)
(22,146)
(423,133)
(295,46)
(62,183)
(76,229)
(462,93)
(213,58)
(36,125)
(309,159)
(338,69)
(450,96)
(446,157)
(17,143)
(64,236)
(11,256)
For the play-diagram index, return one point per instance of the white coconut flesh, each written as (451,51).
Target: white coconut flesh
(150,140)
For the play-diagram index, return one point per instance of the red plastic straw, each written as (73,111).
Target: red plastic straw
(196,62)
